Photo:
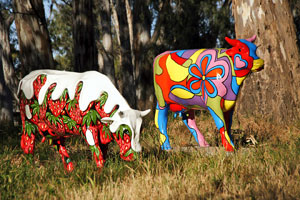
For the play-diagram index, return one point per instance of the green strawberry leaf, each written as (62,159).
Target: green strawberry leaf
(30,128)
(79,87)
(88,121)
(84,119)
(42,77)
(97,151)
(63,95)
(35,107)
(106,131)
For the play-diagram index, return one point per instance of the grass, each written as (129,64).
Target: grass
(269,170)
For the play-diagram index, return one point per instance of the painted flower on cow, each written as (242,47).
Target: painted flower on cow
(208,75)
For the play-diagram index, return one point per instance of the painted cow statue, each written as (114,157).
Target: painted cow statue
(61,104)
(188,80)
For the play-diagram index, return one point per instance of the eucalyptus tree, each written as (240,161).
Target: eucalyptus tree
(275,93)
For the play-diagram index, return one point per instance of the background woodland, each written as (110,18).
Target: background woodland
(120,38)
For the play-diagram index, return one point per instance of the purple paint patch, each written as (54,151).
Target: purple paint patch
(188,53)
(191,103)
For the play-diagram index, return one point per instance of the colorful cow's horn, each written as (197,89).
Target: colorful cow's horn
(231,41)
(251,39)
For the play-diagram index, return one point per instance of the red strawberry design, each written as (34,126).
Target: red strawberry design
(57,106)
(73,130)
(57,127)
(27,143)
(83,113)
(100,110)
(42,126)
(74,113)
(105,134)
(99,161)
(125,145)
(38,84)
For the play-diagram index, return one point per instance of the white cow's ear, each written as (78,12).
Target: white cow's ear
(145,112)
(107,120)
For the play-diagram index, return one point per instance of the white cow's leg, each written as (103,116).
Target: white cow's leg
(91,138)
(59,145)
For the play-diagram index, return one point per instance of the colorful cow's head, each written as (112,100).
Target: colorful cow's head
(132,119)
(243,54)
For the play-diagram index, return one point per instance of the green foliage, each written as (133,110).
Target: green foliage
(70,122)
(267,171)
(63,95)
(30,128)
(72,103)
(106,131)
(35,107)
(198,24)
(95,150)
(102,99)
(123,129)
(52,119)
(60,30)
(91,116)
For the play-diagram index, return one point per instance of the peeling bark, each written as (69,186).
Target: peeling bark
(274,92)
(33,35)
(8,80)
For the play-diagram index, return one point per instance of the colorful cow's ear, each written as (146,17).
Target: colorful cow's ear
(231,41)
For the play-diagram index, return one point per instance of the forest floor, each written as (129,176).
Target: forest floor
(265,166)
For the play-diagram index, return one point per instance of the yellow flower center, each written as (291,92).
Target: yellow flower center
(203,78)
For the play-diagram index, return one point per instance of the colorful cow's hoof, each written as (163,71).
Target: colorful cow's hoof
(226,144)
(166,146)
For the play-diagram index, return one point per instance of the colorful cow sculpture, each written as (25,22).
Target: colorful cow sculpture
(60,104)
(187,80)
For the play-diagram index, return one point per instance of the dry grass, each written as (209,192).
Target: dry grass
(269,170)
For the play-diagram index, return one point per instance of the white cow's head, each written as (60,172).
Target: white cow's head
(133,119)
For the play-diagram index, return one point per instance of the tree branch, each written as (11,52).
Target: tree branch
(160,17)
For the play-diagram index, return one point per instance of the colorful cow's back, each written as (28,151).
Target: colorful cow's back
(190,77)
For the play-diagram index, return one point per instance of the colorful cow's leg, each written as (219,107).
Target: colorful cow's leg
(189,120)
(218,117)
(228,121)
(161,121)
(59,145)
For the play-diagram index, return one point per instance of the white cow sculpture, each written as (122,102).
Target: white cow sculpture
(61,104)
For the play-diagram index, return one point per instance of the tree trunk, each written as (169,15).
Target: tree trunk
(127,85)
(6,106)
(274,92)
(105,54)
(8,80)
(143,65)
(33,35)
(83,32)
(5,54)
